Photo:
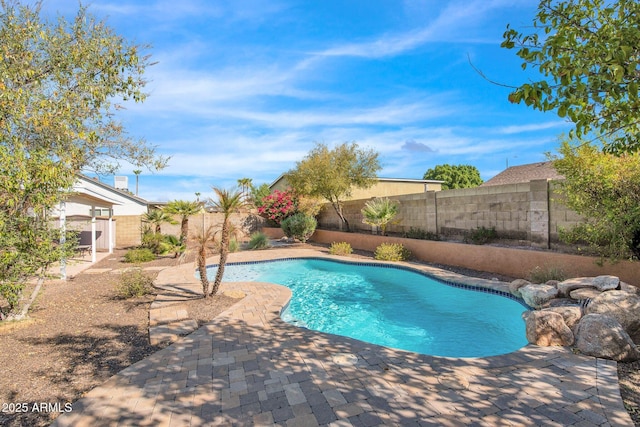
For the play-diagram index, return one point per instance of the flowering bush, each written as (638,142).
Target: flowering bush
(278,205)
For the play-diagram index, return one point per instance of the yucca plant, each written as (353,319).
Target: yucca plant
(379,212)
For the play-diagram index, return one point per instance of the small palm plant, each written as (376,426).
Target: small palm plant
(184,209)
(228,203)
(204,238)
(157,217)
(379,213)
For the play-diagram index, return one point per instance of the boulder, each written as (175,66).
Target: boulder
(602,336)
(565,287)
(584,293)
(606,283)
(570,314)
(537,296)
(514,287)
(622,306)
(547,328)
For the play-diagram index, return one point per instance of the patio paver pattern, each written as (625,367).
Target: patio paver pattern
(248,367)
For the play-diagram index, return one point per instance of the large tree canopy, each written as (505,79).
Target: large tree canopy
(332,174)
(605,189)
(59,88)
(589,54)
(455,176)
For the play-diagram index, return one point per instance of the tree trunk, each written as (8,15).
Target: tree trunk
(202,269)
(184,229)
(337,206)
(224,251)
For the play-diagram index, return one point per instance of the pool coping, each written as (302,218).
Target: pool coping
(248,367)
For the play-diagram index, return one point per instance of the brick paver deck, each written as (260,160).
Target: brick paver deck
(248,367)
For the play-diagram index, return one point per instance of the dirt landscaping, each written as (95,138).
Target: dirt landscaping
(80,333)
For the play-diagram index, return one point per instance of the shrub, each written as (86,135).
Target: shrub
(546,273)
(379,212)
(392,252)
(258,240)
(234,246)
(418,233)
(152,241)
(134,283)
(278,205)
(299,226)
(481,236)
(342,248)
(139,255)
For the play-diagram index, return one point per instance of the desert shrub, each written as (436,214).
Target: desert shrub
(481,236)
(152,241)
(546,273)
(134,283)
(341,248)
(379,212)
(278,205)
(139,255)
(258,240)
(392,252)
(234,245)
(299,226)
(418,233)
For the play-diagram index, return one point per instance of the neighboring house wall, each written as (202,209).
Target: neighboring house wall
(384,187)
(529,212)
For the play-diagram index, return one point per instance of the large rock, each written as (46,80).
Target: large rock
(622,306)
(537,296)
(606,283)
(603,336)
(565,287)
(570,314)
(584,293)
(514,287)
(547,328)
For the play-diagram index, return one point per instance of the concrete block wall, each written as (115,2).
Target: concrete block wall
(529,212)
(128,230)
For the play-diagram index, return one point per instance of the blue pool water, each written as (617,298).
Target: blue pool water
(391,306)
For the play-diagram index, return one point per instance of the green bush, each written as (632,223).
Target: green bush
(139,255)
(392,252)
(546,273)
(152,241)
(418,233)
(134,283)
(481,236)
(234,246)
(258,240)
(342,248)
(299,226)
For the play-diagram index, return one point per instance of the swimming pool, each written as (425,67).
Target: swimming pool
(390,306)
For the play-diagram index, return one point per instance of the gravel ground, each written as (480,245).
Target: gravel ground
(80,333)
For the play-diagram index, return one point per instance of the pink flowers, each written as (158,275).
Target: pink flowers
(278,205)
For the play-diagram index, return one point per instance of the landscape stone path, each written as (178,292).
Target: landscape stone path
(248,367)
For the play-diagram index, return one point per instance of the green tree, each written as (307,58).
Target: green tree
(333,174)
(605,190)
(228,202)
(60,85)
(157,217)
(258,193)
(184,209)
(589,54)
(455,176)
(379,212)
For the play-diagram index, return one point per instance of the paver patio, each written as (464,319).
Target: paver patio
(248,367)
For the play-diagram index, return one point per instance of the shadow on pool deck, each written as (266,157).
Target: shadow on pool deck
(248,367)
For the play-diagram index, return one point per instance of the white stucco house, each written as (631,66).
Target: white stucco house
(92,209)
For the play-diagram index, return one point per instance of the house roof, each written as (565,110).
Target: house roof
(525,173)
(113,189)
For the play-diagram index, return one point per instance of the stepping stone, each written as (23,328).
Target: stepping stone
(96,270)
(173,313)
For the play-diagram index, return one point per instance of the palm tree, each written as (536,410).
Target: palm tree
(157,217)
(245,185)
(228,203)
(379,212)
(203,238)
(137,173)
(185,209)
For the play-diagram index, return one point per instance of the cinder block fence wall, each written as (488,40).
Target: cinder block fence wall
(531,212)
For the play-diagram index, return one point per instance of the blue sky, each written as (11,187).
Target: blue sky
(245,88)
